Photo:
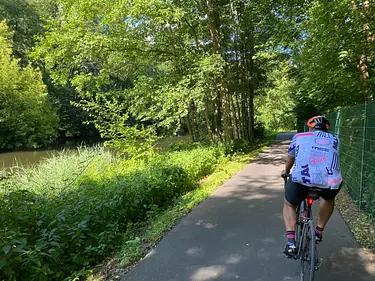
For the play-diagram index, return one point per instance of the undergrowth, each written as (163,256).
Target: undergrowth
(67,214)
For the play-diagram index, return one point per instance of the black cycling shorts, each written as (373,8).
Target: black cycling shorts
(295,192)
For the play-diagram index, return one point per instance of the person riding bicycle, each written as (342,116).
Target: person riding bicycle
(315,158)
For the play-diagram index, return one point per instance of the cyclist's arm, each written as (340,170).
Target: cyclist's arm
(291,155)
(289,164)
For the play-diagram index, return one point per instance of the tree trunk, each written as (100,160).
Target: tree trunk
(217,117)
(194,122)
(223,86)
(191,132)
(207,115)
(364,14)
(251,79)
(234,119)
(239,123)
(245,120)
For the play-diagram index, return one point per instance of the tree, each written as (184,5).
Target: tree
(186,62)
(26,117)
(275,107)
(334,56)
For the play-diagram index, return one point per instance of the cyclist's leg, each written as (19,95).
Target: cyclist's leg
(325,210)
(295,193)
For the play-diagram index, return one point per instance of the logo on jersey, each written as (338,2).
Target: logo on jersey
(322,141)
(320,148)
(315,160)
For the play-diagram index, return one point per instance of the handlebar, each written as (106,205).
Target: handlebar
(285,177)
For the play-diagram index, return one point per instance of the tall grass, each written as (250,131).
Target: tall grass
(74,208)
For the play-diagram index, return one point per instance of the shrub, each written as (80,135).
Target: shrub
(74,208)
(26,116)
(259,130)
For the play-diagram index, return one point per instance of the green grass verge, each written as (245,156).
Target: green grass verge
(142,238)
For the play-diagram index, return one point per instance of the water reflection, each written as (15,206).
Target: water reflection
(31,157)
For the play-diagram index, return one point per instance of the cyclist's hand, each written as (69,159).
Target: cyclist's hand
(284,174)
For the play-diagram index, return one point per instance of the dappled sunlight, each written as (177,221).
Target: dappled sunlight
(205,224)
(269,240)
(238,234)
(233,259)
(208,273)
(264,254)
(258,196)
(250,192)
(195,252)
(358,254)
(287,278)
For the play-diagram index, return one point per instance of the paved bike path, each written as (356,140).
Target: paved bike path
(238,234)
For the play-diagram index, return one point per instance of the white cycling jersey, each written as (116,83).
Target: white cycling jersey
(317,159)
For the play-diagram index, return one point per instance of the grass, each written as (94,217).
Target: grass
(71,211)
(144,237)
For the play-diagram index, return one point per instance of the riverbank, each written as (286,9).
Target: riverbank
(69,212)
(27,157)
(32,157)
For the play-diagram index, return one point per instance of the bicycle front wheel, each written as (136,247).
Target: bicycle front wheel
(308,254)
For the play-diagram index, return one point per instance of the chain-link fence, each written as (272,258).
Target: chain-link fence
(355,127)
(301,126)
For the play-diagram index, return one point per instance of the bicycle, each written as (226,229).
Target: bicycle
(307,251)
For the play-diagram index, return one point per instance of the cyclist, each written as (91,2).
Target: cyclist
(315,158)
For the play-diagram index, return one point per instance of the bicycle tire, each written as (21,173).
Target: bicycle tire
(308,252)
(299,224)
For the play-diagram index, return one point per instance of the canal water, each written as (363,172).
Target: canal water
(32,157)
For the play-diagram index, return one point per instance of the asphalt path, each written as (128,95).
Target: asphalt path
(238,234)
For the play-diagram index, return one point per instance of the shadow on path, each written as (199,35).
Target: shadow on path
(238,234)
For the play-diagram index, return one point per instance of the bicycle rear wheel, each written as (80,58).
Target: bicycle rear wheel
(308,254)
(299,225)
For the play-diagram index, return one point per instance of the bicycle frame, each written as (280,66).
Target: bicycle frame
(305,236)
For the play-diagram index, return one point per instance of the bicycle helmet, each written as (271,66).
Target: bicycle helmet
(319,123)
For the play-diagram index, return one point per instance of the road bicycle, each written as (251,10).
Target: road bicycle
(307,251)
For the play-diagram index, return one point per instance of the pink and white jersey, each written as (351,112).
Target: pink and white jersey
(317,159)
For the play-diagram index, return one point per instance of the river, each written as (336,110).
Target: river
(32,157)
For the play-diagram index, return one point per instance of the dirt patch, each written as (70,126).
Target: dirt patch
(360,224)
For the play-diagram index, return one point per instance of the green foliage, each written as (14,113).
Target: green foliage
(275,106)
(138,240)
(156,63)
(26,117)
(330,71)
(193,162)
(259,130)
(24,21)
(65,214)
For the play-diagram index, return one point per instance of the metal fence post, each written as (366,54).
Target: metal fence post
(338,123)
(363,156)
